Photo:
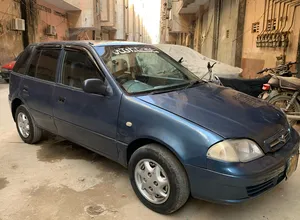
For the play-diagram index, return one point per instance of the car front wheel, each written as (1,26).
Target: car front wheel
(158,179)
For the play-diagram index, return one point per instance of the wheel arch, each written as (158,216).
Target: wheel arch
(14,105)
(140,142)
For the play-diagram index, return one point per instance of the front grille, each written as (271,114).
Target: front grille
(281,139)
(262,187)
(278,140)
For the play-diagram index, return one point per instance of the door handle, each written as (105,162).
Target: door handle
(25,88)
(61,99)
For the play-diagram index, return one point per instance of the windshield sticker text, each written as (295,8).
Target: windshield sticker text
(134,50)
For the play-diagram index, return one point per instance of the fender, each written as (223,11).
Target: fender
(270,95)
(188,141)
(14,89)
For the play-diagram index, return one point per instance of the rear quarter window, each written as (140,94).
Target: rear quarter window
(23,60)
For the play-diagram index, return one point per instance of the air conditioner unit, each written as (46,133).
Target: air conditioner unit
(18,24)
(51,30)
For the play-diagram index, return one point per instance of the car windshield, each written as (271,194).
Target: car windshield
(144,68)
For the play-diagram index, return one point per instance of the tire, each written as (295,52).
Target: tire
(171,169)
(281,101)
(34,133)
(6,80)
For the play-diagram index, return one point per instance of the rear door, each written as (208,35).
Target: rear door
(38,85)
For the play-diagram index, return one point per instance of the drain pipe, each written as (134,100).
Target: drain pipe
(266,18)
(289,4)
(271,19)
(294,12)
(280,15)
(259,36)
(266,1)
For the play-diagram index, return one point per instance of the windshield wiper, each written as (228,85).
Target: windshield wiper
(190,84)
(166,89)
(195,82)
(161,91)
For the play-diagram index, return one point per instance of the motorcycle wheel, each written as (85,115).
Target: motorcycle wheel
(281,101)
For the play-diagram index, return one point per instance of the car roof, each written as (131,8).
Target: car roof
(89,42)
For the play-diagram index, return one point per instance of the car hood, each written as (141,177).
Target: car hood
(224,111)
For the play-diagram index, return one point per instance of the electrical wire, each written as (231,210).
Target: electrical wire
(184,26)
(8,14)
(6,11)
(249,29)
(33,12)
(208,30)
(2,19)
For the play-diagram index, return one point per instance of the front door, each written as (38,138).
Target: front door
(38,85)
(87,119)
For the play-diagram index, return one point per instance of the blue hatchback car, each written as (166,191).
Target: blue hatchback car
(178,135)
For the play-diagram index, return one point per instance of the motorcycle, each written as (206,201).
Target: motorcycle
(252,87)
(282,90)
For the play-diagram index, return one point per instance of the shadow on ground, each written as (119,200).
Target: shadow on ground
(55,149)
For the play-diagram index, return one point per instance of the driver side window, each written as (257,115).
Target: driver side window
(77,67)
(154,65)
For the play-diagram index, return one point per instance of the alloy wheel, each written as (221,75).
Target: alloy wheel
(23,125)
(152,181)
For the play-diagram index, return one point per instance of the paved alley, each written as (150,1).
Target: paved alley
(60,180)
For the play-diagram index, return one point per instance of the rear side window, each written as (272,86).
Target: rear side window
(22,60)
(43,64)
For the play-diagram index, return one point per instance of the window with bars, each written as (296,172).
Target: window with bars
(227,33)
(271,25)
(255,27)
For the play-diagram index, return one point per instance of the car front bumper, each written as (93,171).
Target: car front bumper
(246,180)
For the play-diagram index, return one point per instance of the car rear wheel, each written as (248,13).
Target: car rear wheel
(26,126)
(158,179)
(6,80)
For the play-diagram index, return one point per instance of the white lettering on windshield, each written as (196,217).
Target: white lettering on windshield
(125,50)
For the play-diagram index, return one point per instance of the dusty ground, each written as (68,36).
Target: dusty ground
(59,180)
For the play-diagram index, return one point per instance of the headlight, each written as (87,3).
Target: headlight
(235,151)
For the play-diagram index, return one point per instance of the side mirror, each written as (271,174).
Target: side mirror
(95,86)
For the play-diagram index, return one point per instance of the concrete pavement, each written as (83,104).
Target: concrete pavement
(60,180)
